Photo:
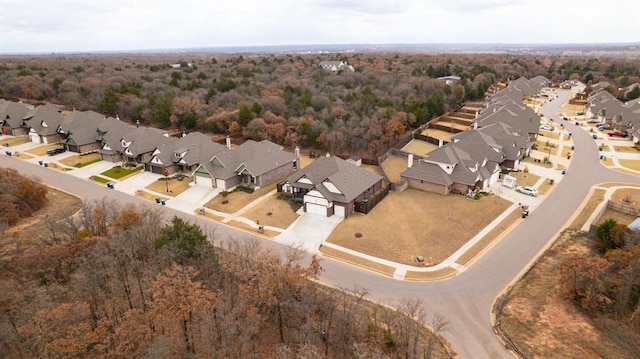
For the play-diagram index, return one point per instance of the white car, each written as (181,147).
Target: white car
(527,190)
(545,127)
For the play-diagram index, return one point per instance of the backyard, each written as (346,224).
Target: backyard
(415,223)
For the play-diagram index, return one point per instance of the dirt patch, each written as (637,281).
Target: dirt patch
(415,223)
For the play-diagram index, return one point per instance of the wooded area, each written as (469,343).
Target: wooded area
(288,99)
(120,282)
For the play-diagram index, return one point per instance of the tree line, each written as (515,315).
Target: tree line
(288,98)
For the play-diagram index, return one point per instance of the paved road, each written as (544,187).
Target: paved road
(464,301)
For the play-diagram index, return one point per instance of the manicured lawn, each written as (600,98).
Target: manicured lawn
(80,161)
(413,223)
(175,186)
(100,179)
(626,149)
(120,172)
(272,212)
(238,199)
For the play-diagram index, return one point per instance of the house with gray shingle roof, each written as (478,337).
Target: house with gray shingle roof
(335,65)
(184,155)
(12,117)
(252,164)
(332,186)
(43,122)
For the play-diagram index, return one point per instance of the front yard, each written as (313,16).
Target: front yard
(416,223)
(231,202)
(80,161)
(119,172)
(172,187)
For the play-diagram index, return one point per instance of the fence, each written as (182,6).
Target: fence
(615,206)
(366,206)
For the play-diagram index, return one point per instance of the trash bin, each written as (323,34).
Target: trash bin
(8,153)
(525,213)
(564,171)
(595,137)
(601,156)
(40,163)
(163,202)
(157,200)
(46,165)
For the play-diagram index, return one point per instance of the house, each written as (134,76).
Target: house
(12,118)
(83,131)
(520,117)
(252,164)
(450,80)
(43,122)
(335,66)
(183,155)
(451,169)
(332,186)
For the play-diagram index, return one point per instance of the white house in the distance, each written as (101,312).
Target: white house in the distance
(335,65)
(450,80)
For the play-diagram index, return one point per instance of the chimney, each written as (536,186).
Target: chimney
(184,133)
(477,113)
(117,117)
(410,160)
(228,142)
(296,152)
(328,154)
(440,143)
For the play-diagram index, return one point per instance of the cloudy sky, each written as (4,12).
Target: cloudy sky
(112,25)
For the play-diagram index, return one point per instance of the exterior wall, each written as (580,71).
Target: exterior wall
(459,188)
(232,182)
(89,147)
(274,174)
(50,139)
(427,186)
(509,164)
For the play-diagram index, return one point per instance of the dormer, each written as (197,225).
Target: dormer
(179,153)
(331,187)
(125,144)
(216,162)
(304,180)
(44,124)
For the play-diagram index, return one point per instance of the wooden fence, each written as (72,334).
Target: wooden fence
(372,201)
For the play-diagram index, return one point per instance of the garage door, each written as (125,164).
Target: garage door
(338,210)
(316,209)
(34,137)
(204,181)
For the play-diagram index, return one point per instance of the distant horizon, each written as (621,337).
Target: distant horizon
(343,47)
(114,26)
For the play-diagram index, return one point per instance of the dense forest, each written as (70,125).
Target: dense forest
(288,99)
(118,281)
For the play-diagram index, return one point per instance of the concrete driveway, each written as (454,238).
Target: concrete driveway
(195,197)
(309,231)
(90,170)
(139,181)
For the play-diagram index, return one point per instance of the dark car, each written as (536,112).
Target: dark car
(55,151)
(617,134)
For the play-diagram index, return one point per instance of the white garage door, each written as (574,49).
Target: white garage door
(204,181)
(338,210)
(316,208)
(34,137)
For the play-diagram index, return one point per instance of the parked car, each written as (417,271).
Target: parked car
(593,121)
(55,151)
(617,134)
(527,190)
(604,127)
(601,124)
(545,127)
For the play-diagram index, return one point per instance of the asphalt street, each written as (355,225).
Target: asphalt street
(463,301)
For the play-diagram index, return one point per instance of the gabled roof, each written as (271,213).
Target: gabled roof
(44,119)
(12,113)
(348,178)
(145,140)
(428,172)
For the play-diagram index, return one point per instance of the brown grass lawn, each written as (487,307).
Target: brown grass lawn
(627,193)
(149,196)
(248,228)
(439,134)
(419,147)
(587,210)
(541,145)
(621,218)
(525,179)
(547,134)
(355,260)
(630,164)
(79,159)
(412,223)
(42,150)
(490,237)
(545,186)
(626,149)
(272,212)
(13,141)
(22,155)
(175,186)
(565,151)
(237,200)
(393,166)
(538,157)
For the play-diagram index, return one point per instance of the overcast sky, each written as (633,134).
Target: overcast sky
(112,25)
